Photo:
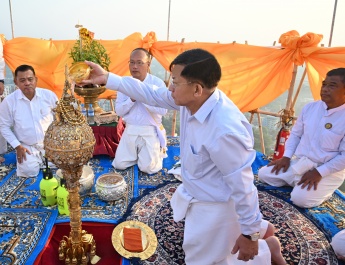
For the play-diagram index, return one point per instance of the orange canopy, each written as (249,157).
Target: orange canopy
(252,76)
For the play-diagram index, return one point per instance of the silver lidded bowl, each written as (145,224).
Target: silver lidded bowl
(110,186)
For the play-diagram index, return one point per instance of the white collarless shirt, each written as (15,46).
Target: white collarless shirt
(133,114)
(28,118)
(318,134)
(216,149)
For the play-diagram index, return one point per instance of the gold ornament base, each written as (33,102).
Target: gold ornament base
(90,95)
(77,253)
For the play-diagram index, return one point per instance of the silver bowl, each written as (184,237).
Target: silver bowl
(111,186)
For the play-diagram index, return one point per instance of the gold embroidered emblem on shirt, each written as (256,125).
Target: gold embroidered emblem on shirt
(328,126)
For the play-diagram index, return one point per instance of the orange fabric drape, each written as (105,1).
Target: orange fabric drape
(252,76)
(49,57)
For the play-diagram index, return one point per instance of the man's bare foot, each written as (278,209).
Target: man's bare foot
(270,231)
(275,248)
(2,159)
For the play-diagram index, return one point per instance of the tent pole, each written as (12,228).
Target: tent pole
(273,114)
(10,4)
(168,31)
(292,83)
(168,34)
(299,88)
(261,134)
(251,117)
(289,111)
(333,19)
(173,127)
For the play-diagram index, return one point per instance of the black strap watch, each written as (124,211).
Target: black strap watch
(253,237)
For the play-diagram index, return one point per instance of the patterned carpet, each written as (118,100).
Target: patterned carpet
(21,206)
(24,234)
(304,233)
(303,241)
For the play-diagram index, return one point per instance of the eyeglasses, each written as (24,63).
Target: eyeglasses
(176,84)
(138,63)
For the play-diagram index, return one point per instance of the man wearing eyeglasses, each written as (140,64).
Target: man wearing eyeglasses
(217,197)
(143,141)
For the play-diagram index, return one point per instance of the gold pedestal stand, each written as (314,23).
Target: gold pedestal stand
(69,144)
(90,95)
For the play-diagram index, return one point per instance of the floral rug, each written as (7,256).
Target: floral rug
(302,240)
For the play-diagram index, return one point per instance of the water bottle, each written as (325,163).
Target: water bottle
(48,187)
(83,111)
(91,115)
(62,196)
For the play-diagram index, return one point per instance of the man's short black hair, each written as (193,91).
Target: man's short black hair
(338,72)
(24,68)
(200,66)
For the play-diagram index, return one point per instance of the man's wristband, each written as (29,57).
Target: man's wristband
(2,81)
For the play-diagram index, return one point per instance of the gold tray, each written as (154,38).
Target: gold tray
(149,240)
(79,71)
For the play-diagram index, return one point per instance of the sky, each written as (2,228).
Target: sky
(259,22)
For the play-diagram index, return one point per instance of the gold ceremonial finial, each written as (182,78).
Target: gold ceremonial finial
(69,143)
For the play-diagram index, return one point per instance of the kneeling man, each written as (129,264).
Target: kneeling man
(314,157)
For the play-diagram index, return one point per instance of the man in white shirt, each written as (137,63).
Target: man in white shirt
(28,111)
(3,143)
(217,197)
(314,157)
(143,140)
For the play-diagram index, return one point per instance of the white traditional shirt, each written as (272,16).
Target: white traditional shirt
(2,63)
(133,114)
(29,118)
(318,134)
(216,149)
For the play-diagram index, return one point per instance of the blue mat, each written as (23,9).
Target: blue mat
(25,224)
(23,234)
(23,193)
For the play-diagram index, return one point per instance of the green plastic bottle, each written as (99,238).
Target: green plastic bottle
(62,196)
(48,188)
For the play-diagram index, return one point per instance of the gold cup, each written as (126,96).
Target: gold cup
(79,71)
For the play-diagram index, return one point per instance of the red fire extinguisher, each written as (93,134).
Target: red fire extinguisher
(282,137)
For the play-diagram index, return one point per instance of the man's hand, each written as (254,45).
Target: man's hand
(311,179)
(21,153)
(98,76)
(282,163)
(248,249)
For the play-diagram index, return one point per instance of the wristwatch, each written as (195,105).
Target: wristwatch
(253,237)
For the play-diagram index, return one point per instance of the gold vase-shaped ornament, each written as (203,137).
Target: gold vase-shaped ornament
(69,144)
